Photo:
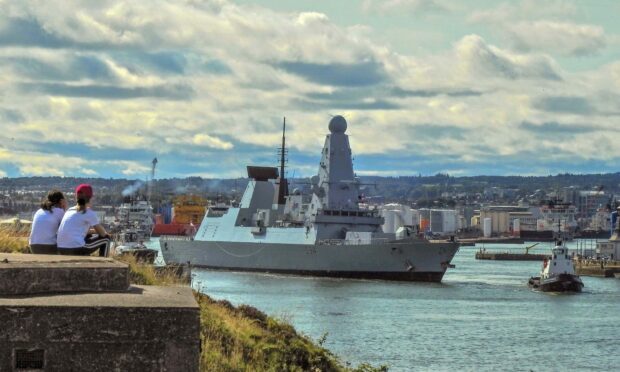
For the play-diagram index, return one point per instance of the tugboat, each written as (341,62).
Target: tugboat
(558,273)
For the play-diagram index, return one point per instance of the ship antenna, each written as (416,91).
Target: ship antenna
(282,184)
(283,149)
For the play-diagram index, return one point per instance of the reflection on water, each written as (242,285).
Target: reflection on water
(481,317)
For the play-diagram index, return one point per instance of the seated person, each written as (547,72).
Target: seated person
(45,223)
(75,225)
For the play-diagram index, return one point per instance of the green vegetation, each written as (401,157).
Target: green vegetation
(142,274)
(243,338)
(12,241)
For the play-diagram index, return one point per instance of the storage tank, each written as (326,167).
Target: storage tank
(389,223)
(449,221)
(415,217)
(407,216)
(516,227)
(486,227)
(425,219)
(437,221)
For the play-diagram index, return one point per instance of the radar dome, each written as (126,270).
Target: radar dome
(338,124)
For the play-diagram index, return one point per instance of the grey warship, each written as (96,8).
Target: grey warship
(332,235)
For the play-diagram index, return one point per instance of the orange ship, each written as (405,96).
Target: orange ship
(187,214)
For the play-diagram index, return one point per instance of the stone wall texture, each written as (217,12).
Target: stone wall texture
(102,338)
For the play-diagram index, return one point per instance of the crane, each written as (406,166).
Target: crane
(527,249)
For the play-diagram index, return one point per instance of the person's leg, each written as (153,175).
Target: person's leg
(43,248)
(75,251)
(98,243)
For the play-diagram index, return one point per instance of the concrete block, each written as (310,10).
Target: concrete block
(145,328)
(27,274)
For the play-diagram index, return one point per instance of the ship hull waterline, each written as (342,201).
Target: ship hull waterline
(412,261)
(561,283)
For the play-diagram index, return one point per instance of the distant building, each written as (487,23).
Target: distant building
(526,221)
(501,222)
(569,195)
(589,202)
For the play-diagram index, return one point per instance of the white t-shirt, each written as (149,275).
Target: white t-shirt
(45,226)
(74,227)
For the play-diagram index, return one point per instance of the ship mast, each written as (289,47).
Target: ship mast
(282,183)
(283,149)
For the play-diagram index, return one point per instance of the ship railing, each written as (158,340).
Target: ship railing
(352,242)
(176,237)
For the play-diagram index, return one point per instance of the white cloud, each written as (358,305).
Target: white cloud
(32,163)
(466,102)
(524,10)
(558,37)
(406,6)
(131,168)
(213,142)
(88,172)
(476,56)
(544,26)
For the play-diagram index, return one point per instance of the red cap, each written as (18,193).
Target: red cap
(85,190)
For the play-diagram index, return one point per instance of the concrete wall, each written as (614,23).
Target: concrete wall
(73,313)
(102,339)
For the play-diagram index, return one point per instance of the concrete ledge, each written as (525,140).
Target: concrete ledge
(145,328)
(28,274)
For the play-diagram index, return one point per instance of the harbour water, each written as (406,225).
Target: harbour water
(481,317)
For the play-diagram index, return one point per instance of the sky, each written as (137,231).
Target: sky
(100,88)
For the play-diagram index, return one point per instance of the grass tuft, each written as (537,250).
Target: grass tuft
(13,241)
(145,274)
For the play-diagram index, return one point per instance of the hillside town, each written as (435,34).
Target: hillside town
(437,206)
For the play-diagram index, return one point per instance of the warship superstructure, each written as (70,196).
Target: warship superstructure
(331,235)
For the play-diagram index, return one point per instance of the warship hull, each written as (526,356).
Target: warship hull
(414,260)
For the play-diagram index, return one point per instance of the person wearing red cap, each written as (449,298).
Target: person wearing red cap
(77,221)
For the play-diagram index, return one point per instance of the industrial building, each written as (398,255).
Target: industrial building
(500,218)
